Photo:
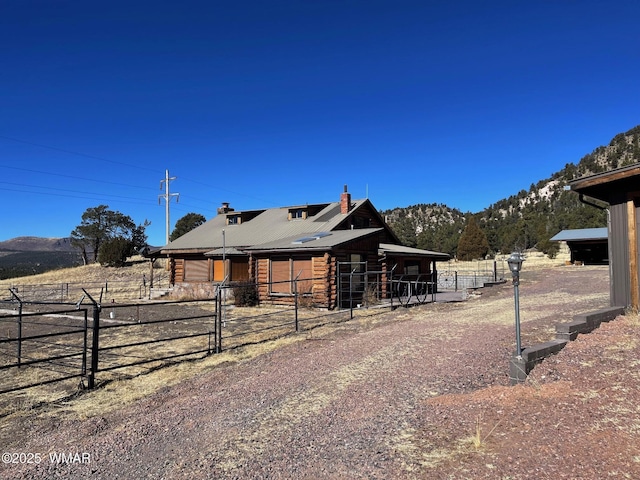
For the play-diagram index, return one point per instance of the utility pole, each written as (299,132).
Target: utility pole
(167,198)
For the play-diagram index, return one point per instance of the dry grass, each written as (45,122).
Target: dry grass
(126,385)
(122,392)
(124,388)
(87,273)
(124,284)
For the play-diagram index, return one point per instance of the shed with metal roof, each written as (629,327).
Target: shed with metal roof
(588,246)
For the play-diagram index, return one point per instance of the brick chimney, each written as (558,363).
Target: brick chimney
(345,201)
(225,208)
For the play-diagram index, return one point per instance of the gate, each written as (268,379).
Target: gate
(54,342)
(358,286)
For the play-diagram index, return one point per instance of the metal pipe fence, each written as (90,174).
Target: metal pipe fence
(94,341)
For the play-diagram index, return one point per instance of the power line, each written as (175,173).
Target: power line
(73,177)
(96,197)
(65,190)
(79,154)
(185,207)
(208,203)
(137,166)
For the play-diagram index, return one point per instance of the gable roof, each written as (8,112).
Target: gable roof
(581,234)
(268,226)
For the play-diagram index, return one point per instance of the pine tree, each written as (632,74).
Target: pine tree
(473,242)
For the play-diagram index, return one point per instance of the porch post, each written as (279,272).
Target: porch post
(633,253)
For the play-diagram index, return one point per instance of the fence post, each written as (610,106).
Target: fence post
(84,345)
(295,302)
(455,279)
(215,326)
(351,292)
(434,285)
(218,325)
(95,341)
(365,301)
(390,277)
(19,327)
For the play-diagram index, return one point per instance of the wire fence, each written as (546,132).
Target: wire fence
(107,290)
(452,276)
(90,341)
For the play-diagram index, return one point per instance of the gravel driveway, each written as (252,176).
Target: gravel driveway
(419,393)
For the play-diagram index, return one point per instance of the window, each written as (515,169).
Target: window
(237,269)
(196,270)
(280,275)
(234,219)
(303,270)
(218,270)
(358,263)
(362,222)
(285,269)
(297,213)
(412,267)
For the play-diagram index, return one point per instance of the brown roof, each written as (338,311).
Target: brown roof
(603,186)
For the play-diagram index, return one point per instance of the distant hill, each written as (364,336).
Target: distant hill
(22,256)
(524,220)
(37,244)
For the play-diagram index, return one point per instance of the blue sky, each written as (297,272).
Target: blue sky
(275,103)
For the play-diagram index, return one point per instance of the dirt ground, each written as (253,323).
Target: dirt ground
(414,393)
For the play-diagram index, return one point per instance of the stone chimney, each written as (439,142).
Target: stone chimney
(225,208)
(345,201)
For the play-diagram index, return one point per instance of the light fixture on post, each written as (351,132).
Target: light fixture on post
(515,265)
(518,368)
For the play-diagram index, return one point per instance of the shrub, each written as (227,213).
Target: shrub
(114,252)
(245,294)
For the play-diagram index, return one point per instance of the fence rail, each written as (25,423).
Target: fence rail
(65,292)
(90,340)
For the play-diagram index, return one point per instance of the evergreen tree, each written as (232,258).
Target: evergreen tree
(186,224)
(405,229)
(473,242)
(99,225)
(114,252)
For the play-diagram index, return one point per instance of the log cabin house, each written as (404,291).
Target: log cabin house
(318,244)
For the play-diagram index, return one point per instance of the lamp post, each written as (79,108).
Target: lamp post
(515,265)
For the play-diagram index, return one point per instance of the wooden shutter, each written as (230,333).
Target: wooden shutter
(196,270)
(280,275)
(239,269)
(305,269)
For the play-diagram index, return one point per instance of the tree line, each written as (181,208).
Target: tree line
(525,220)
(110,237)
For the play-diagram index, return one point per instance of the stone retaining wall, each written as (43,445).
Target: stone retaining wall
(520,366)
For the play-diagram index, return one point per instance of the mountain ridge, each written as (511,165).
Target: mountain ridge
(524,220)
(29,255)
(37,244)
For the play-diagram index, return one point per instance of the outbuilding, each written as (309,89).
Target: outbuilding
(587,246)
(620,190)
